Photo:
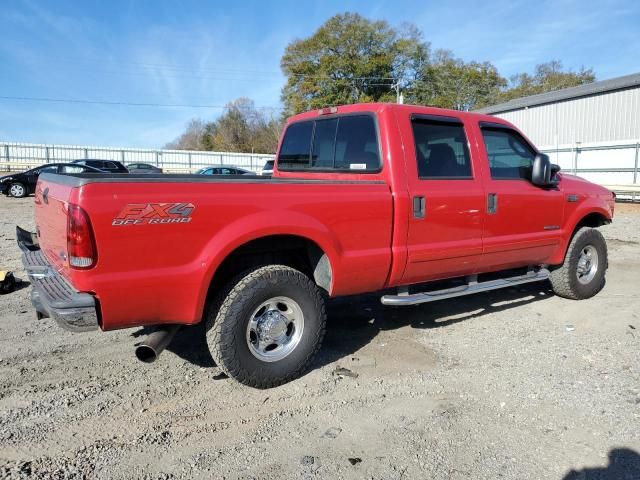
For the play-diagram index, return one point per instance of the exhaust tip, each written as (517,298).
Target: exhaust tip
(151,347)
(146,354)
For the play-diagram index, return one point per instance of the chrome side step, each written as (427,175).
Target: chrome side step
(470,288)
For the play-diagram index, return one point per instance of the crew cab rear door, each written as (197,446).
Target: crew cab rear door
(445,226)
(522,224)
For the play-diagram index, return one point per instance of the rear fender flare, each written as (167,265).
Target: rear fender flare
(256,226)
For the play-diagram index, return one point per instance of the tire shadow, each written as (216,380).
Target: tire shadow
(354,322)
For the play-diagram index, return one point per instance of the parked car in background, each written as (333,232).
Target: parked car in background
(24,183)
(143,168)
(268,167)
(111,166)
(223,170)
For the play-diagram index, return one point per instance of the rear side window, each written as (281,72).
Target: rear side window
(344,143)
(441,150)
(296,146)
(110,165)
(510,156)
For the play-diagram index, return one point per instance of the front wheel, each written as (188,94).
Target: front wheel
(268,327)
(582,273)
(17,190)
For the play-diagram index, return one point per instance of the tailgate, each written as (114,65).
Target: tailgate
(51,201)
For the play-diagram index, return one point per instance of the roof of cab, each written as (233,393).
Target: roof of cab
(380,107)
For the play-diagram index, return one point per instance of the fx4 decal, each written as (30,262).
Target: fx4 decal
(154,213)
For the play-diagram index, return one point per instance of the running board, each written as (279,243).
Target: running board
(470,288)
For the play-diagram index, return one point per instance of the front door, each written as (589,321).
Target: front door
(445,227)
(522,223)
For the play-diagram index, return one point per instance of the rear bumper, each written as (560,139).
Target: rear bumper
(51,294)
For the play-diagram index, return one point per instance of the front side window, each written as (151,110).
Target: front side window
(343,143)
(441,150)
(510,156)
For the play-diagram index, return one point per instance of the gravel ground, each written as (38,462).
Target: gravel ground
(512,384)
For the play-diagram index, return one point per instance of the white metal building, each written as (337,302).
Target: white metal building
(592,130)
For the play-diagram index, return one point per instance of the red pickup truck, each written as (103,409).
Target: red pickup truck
(363,198)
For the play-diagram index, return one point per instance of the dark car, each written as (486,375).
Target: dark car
(111,166)
(143,168)
(24,183)
(268,167)
(223,170)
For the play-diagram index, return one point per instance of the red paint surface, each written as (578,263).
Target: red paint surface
(160,273)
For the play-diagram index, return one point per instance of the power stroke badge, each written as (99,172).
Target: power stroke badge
(154,213)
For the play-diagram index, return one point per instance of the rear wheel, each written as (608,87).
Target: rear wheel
(17,190)
(267,326)
(582,273)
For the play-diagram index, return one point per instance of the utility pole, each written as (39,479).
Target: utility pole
(399,96)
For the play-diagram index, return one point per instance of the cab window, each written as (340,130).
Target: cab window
(347,143)
(441,150)
(510,156)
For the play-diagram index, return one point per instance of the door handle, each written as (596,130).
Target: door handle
(492,203)
(419,207)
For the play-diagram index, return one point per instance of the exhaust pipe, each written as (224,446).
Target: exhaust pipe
(151,347)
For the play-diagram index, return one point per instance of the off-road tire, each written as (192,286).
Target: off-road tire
(564,279)
(17,184)
(228,315)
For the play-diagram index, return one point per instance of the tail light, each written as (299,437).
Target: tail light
(81,246)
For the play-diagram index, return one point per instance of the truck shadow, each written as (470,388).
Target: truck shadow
(353,322)
(624,463)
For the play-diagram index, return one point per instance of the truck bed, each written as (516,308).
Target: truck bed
(171,260)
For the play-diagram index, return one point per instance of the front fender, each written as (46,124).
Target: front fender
(584,207)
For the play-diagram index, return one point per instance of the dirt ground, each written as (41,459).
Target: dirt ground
(515,384)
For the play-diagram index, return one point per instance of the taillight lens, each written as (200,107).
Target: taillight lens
(81,246)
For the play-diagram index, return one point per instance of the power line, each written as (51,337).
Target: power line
(185,70)
(122,103)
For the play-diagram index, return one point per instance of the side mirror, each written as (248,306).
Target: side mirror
(543,173)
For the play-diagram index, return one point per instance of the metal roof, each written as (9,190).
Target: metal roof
(588,89)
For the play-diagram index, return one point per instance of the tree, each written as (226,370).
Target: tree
(241,128)
(546,78)
(348,59)
(351,59)
(190,139)
(449,82)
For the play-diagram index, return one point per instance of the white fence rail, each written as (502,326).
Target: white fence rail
(20,156)
(611,163)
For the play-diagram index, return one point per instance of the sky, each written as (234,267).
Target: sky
(203,54)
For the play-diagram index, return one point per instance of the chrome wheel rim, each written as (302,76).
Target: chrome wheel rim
(587,264)
(275,329)
(16,190)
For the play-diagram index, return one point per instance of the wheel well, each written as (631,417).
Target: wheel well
(290,250)
(592,220)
